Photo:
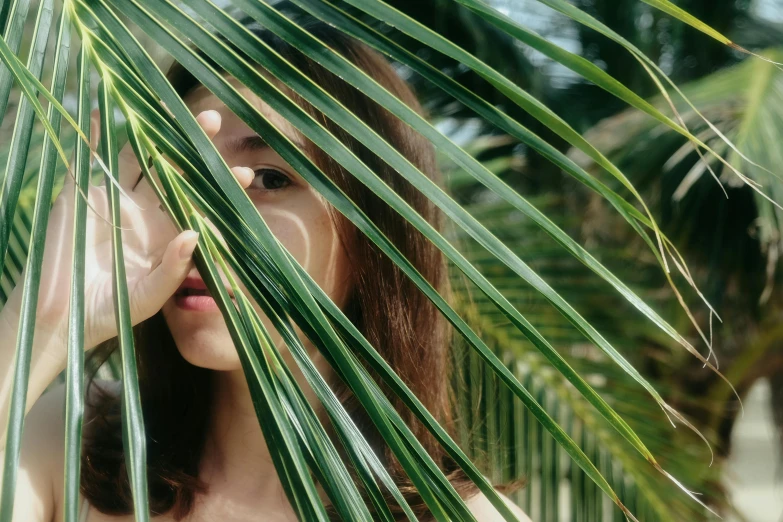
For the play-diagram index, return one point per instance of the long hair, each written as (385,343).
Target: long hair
(384,304)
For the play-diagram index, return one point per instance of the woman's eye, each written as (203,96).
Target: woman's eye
(270,179)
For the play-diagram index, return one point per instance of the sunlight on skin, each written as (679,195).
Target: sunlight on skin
(297,224)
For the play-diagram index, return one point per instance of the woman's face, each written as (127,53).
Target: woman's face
(297,215)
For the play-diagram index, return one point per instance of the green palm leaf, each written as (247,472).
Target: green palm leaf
(74,409)
(16,13)
(744,101)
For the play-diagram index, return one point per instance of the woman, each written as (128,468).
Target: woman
(206,453)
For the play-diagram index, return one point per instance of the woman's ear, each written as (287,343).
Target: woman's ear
(95,128)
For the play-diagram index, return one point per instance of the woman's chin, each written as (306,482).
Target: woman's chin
(211,352)
(202,339)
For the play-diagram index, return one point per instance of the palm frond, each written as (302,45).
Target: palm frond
(303,454)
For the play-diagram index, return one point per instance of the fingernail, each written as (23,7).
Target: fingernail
(244,174)
(212,113)
(187,248)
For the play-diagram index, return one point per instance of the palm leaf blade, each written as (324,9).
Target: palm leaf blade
(74,413)
(31,283)
(133,438)
(16,12)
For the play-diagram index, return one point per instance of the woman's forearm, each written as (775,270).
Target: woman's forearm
(47,360)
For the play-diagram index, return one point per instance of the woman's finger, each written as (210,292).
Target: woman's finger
(152,292)
(244,175)
(210,121)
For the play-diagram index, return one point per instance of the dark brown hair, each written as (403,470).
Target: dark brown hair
(384,304)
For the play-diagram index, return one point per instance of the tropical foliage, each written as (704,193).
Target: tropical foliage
(560,366)
(721,236)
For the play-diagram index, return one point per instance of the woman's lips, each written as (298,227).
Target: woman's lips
(193,295)
(195,302)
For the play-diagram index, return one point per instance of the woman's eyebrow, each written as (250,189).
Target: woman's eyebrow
(250,144)
(246,144)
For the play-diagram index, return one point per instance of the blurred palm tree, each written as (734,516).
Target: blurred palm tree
(731,232)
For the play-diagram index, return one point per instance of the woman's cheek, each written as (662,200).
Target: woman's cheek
(306,229)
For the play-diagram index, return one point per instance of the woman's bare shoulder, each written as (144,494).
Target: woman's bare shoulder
(484,511)
(45,423)
(43,454)
(43,444)
(49,409)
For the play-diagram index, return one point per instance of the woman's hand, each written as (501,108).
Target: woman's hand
(157,259)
